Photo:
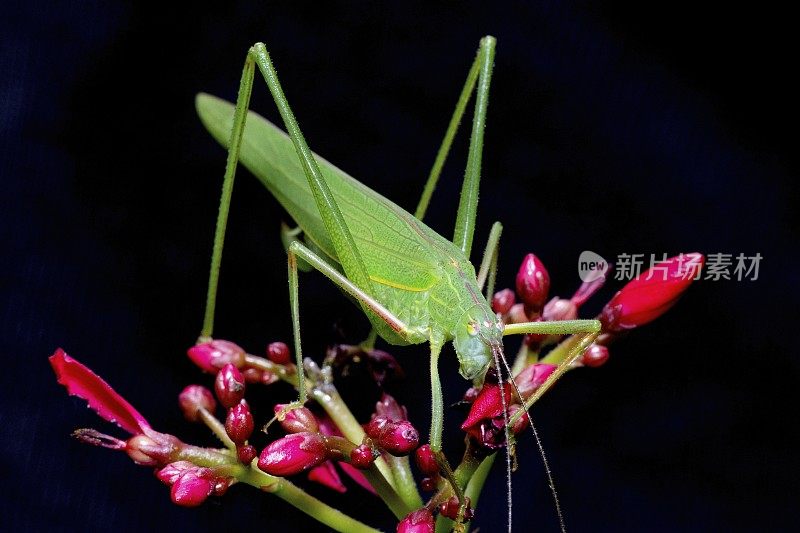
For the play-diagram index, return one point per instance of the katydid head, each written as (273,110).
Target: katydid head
(478,335)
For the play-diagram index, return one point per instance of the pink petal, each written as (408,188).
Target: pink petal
(105,401)
(357,476)
(326,474)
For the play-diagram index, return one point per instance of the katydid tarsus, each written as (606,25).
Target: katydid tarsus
(413,284)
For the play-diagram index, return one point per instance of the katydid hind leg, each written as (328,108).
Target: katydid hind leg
(346,251)
(488,270)
(299,252)
(449,136)
(239,118)
(468,202)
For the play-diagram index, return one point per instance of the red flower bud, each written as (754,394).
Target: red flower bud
(191,490)
(502,301)
(293,454)
(450,509)
(279,353)
(426,460)
(362,457)
(212,355)
(194,397)
(246,454)
(229,386)
(533,283)
(650,295)
(297,420)
(171,472)
(325,474)
(595,355)
(152,449)
(399,438)
(239,423)
(420,521)
(532,377)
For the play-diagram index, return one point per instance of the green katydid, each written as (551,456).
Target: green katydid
(413,284)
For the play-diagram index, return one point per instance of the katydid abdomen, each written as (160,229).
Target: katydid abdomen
(424,279)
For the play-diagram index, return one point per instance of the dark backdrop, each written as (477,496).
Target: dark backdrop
(616,129)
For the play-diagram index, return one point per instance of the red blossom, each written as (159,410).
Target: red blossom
(105,401)
(651,294)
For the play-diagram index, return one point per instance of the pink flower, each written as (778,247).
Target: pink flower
(651,294)
(146,447)
(105,401)
(279,353)
(420,521)
(293,454)
(426,460)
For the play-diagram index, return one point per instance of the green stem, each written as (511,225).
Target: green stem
(404,481)
(387,493)
(216,427)
(295,496)
(461,477)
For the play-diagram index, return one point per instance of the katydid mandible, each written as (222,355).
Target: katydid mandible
(413,284)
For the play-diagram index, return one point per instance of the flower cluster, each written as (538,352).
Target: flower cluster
(322,438)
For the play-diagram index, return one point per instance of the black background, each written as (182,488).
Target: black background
(619,129)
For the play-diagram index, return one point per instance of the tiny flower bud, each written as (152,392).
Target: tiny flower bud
(560,309)
(470,395)
(420,521)
(194,397)
(502,301)
(212,355)
(171,472)
(533,283)
(297,420)
(517,315)
(595,355)
(239,423)
(229,386)
(399,438)
(246,453)
(388,407)
(651,294)
(426,460)
(532,377)
(293,454)
(279,353)
(450,509)
(191,490)
(362,457)
(145,451)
